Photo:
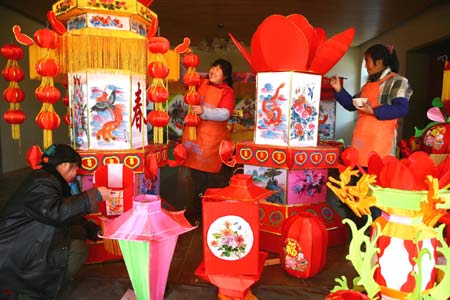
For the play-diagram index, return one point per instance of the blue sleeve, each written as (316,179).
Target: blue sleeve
(345,99)
(398,108)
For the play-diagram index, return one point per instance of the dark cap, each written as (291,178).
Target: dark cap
(60,153)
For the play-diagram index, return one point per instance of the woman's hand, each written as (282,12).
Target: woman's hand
(104,192)
(366,108)
(198,109)
(335,82)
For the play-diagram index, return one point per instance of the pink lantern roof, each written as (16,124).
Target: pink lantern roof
(146,221)
(292,44)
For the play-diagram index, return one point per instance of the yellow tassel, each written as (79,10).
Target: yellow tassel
(446,83)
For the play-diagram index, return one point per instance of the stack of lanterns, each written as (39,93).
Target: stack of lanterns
(47,67)
(13,94)
(191,97)
(157,92)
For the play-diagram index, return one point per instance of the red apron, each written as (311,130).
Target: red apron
(371,134)
(203,153)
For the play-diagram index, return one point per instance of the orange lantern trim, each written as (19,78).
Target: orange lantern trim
(13,94)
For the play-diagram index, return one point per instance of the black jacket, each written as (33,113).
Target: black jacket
(34,233)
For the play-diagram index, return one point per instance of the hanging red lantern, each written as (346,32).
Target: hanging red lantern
(191,60)
(47,38)
(157,94)
(14,116)
(191,78)
(158,118)
(47,67)
(157,69)
(67,119)
(13,72)
(13,94)
(191,120)
(65,100)
(11,51)
(47,94)
(48,120)
(158,44)
(192,97)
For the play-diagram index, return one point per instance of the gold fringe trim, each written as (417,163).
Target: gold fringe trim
(446,83)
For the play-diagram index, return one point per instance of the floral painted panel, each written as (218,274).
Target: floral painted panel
(79,110)
(108,21)
(230,238)
(304,110)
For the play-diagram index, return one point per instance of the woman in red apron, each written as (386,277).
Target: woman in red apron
(387,95)
(216,107)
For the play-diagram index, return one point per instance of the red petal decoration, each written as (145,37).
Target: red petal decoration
(20,37)
(330,52)
(310,33)
(56,25)
(421,166)
(375,165)
(34,156)
(284,47)
(243,51)
(397,176)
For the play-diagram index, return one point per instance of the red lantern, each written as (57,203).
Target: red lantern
(47,67)
(305,239)
(47,38)
(191,120)
(158,44)
(48,120)
(14,116)
(13,94)
(158,118)
(13,73)
(191,78)
(157,94)
(191,60)
(65,100)
(158,69)
(192,97)
(67,119)
(11,51)
(47,94)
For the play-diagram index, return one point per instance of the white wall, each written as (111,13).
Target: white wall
(13,153)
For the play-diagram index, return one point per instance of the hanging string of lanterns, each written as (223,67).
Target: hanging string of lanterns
(13,94)
(158,92)
(47,67)
(191,97)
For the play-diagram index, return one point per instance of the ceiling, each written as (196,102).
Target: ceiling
(205,19)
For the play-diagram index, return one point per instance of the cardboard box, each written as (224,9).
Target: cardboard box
(287,108)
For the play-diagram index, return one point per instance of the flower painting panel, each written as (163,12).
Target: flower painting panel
(230,237)
(108,98)
(304,111)
(307,186)
(78,99)
(272,110)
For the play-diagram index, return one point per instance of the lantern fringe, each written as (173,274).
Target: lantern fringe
(446,83)
(48,138)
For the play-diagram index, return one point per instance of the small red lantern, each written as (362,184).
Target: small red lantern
(158,44)
(65,100)
(157,69)
(13,94)
(47,94)
(48,120)
(157,94)
(158,118)
(13,73)
(192,97)
(191,79)
(14,116)
(305,239)
(67,119)
(191,120)
(47,38)
(11,51)
(47,67)
(191,60)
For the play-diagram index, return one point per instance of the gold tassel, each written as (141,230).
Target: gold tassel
(446,83)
